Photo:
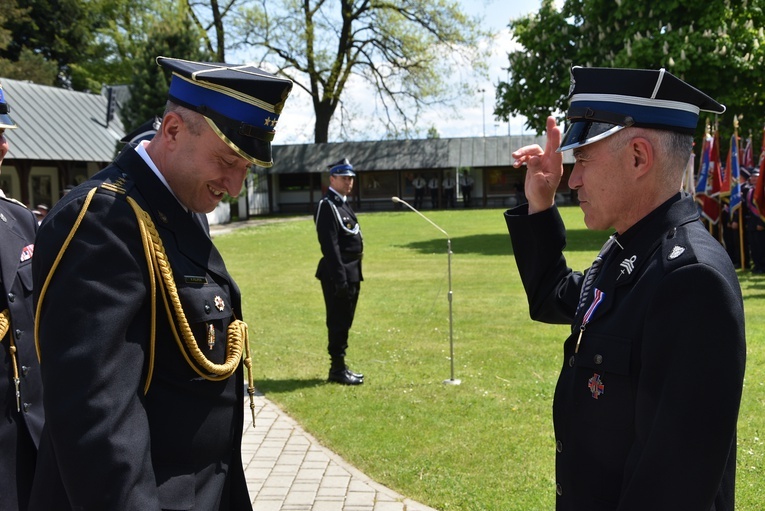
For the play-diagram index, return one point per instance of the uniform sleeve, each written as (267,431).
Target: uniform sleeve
(93,341)
(690,388)
(538,240)
(328,231)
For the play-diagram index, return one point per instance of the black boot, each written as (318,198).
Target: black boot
(339,373)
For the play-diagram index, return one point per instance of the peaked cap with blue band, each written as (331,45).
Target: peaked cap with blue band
(5,120)
(341,168)
(607,100)
(241,103)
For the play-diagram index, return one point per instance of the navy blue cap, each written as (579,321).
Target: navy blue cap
(241,103)
(341,168)
(5,120)
(607,100)
(145,131)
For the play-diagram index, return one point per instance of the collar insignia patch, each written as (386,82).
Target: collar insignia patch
(675,253)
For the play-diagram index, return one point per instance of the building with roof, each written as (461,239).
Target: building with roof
(63,138)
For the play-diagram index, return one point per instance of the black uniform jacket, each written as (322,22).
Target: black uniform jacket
(105,444)
(17,236)
(340,238)
(645,413)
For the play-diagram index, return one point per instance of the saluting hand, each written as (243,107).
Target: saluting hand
(544,169)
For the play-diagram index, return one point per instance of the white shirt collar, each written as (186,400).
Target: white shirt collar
(338,193)
(141,150)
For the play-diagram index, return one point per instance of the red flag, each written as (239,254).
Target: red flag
(747,158)
(710,205)
(759,188)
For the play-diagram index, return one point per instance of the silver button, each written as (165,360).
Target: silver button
(558,489)
(559,446)
(571,361)
(598,359)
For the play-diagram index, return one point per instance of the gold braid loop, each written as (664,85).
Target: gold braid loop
(5,325)
(237,334)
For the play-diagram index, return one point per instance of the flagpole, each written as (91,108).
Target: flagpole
(741,198)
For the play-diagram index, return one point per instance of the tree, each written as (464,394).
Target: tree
(209,16)
(172,34)
(57,31)
(405,50)
(716,46)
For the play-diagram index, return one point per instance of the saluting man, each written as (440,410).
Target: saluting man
(21,418)
(339,268)
(140,331)
(647,400)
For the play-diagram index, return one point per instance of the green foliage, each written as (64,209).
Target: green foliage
(403,50)
(484,445)
(715,46)
(172,35)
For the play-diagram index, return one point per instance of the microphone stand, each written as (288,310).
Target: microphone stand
(450,381)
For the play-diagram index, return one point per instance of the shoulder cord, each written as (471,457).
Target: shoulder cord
(159,266)
(5,325)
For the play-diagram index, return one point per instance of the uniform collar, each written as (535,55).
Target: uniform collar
(342,197)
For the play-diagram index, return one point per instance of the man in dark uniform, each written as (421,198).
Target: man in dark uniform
(20,385)
(339,268)
(647,400)
(754,226)
(140,331)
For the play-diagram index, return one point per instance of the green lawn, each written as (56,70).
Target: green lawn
(486,444)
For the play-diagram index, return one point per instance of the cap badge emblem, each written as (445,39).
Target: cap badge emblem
(219,304)
(596,386)
(675,253)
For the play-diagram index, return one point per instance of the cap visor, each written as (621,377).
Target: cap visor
(581,133)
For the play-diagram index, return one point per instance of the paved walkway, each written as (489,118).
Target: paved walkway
(288,470)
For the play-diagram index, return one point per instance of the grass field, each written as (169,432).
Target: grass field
(486,444)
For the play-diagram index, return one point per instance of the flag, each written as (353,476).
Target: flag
(733,173)
(688,175)
(708,197)
(759,188)
(725,182)
(706,147)
(747,156)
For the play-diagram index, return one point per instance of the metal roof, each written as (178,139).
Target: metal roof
(426,154)
(59,124)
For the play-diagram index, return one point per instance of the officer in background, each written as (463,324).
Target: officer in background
(466,185)
(339,268)
(419,184)
(21,416)
(140,331)
(754,225)
(639,422)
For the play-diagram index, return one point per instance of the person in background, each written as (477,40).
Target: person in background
(754,226)
(448,184)
(339,269)
(433,186)
(140,333)
(647,400)
(22,416)
(466,185)
(419,185)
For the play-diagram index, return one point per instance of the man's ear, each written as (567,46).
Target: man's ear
(171,126)
(641,155)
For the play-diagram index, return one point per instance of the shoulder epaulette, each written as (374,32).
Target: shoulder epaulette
(118,186)
(14,201)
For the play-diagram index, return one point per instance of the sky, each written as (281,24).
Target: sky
(473,119)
